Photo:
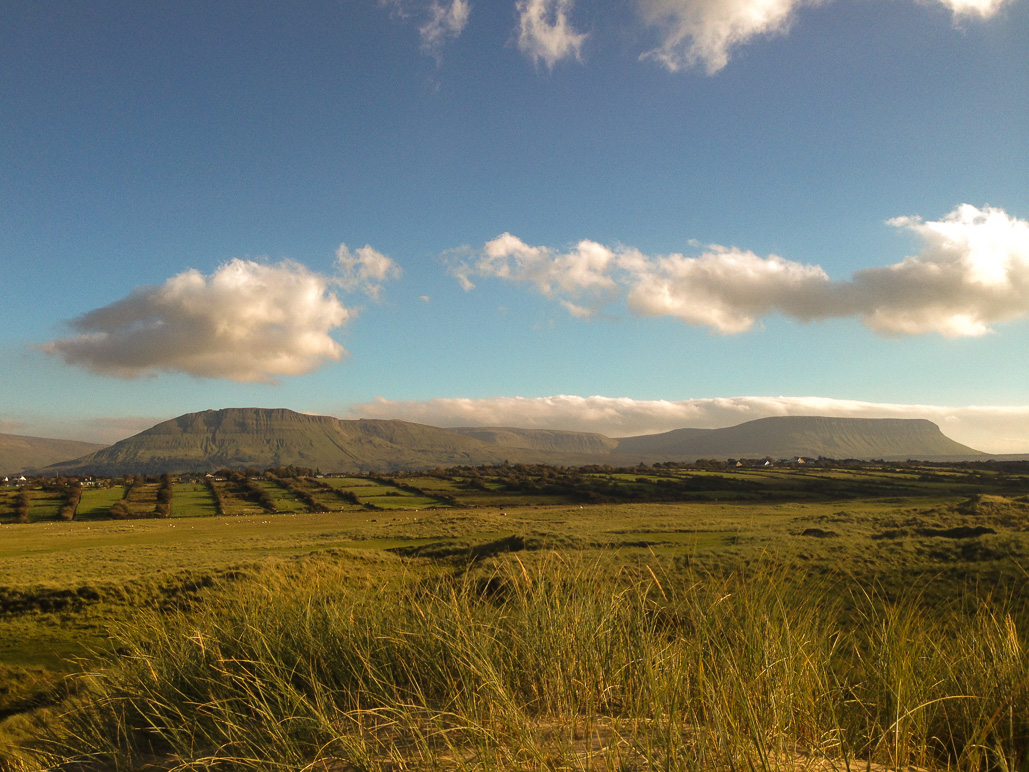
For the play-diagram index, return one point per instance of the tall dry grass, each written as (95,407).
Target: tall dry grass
(559,664)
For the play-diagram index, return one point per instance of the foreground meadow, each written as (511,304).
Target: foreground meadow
(806,632)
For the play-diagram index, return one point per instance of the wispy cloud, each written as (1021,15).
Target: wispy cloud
(990,429)
(690,34)
(246,322)
(545,33)
(441,20)
(364,270)
(973,272)
(695,33)
(446,22)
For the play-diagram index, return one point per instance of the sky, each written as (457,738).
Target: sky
(623,216)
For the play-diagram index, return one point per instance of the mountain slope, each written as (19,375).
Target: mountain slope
(542,439)
(19,453)
(252,437)
(813,436)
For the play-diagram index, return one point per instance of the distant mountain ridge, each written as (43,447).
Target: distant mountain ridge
(262,438)
(813,436)
(19,453)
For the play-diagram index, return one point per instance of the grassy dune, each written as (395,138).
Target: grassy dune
(797,631)
(557,661)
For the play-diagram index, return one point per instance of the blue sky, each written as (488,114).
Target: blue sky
(621,215)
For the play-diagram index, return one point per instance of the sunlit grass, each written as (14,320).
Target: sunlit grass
(191,500)
(513,664)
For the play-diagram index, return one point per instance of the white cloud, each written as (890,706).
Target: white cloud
(726,289)
(695,33)
(245,322)
(985,428)
(445,22)
(545,33)
(364,270)
(973,8)
(704,32)
(442,21)
(579,278)
(973,272)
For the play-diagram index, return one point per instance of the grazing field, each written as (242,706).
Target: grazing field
(192,500)
(97,502)
(882,622)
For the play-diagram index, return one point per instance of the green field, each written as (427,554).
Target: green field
(97,502)
(869,612)
(191,500)
(284,500)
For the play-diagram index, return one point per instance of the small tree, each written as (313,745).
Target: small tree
(21,507)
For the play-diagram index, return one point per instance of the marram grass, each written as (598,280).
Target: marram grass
(559,663)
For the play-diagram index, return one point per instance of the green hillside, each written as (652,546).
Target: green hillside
(252,437)
(542,439)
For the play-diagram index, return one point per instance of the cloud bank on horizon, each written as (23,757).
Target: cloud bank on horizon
(990,429)
(246,322)
(972,273)
(690,33)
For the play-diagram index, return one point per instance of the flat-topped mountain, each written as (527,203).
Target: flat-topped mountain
(261,438)
(19,453)
(812,436)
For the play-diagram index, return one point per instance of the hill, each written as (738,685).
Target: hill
(19,453)
(549,440)
(260,438)
(812,436)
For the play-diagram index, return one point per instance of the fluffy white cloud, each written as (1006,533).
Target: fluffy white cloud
(545,33)
(364,270)
(245,322)
(990,429)
(579,278)
(972,273)
(726,289)
(445,22)
(695,33)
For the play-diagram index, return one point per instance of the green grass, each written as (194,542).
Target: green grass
(7,502)
(327,501)
(97,502)
(191,500)
(234,501)
(682,635)
(284,500)
(45,505)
